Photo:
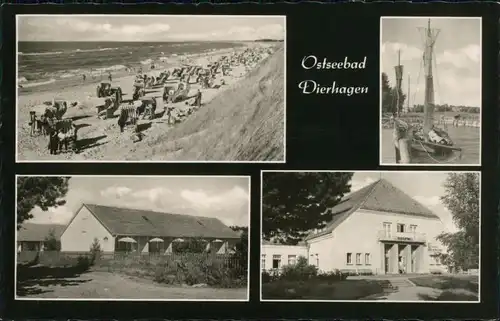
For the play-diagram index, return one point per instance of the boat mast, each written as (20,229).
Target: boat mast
(408,96)
(399,79)
(430,40)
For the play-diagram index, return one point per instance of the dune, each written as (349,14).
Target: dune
(243,123)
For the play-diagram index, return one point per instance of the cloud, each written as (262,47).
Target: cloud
(436,206)
(116,192)
(152,194)
(359,184)
(201,199)
(460,58)
(243,33)
(407,52)
(55,215)
(230,206)
(429,201)
(127,29)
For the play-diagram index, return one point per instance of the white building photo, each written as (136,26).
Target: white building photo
(377,228)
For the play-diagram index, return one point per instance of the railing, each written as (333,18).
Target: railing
(401,236)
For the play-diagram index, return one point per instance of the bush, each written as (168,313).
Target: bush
(299,271)
(95,251)
(332,276)
(83,263)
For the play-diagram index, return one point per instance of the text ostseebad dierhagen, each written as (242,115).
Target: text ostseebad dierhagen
(312,87)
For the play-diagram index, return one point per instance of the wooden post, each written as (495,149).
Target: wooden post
(404,151)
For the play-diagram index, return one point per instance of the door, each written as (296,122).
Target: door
(386,265)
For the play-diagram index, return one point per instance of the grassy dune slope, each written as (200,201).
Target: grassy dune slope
(243,123)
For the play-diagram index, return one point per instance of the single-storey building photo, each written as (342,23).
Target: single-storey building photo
(391,226)
(34,237)
(141,231)
(187,232)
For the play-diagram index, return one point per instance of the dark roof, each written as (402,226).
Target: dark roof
(31,232)
(136,222)
(379,196)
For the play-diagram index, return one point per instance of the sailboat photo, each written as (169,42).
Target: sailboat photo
(420,137)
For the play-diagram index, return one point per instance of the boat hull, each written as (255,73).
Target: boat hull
(429,153)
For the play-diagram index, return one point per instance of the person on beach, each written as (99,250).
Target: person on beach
(197,100)
(110,78)
(84,77)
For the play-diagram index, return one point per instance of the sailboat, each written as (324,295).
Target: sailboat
(426,143)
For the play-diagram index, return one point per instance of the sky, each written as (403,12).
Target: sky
(149,28)
(225,198)
(424,187)
(457,80)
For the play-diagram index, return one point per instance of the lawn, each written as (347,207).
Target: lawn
(454,288)
(322,290)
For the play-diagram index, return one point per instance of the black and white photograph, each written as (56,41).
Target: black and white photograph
(137,88)
(150,238)
(430,99)
(393,236)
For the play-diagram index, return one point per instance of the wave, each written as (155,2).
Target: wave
(47,53)
(111,68)
(40,83)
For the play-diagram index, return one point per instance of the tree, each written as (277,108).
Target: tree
(241,248)
(462,200)
(42,191)
(51,243)
(389,96)
(295,203)
(387,103)
(95,251)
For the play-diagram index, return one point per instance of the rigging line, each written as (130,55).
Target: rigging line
(418,81)
(434,60)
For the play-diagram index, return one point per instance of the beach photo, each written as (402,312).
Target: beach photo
(138,238)
(430,90)
(135,88)
(366,236)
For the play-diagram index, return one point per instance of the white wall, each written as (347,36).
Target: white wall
(359,234)
(267,252)
(80,234)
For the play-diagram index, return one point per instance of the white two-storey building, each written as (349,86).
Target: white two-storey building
(377,228)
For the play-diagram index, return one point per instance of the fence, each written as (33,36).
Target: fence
(54,258)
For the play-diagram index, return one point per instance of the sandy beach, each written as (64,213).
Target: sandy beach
(101,140)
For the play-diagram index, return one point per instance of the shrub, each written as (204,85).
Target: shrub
(95,251)
(51,243)
(332,276)
(83,263)
(299,271)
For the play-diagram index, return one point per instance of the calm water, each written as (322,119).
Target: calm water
(466,138)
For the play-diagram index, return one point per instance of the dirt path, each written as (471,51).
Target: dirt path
(103,285)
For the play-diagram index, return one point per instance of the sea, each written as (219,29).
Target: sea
(467,138)
(41,63)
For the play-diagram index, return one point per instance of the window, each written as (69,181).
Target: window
(401,228)
(292,259)
(387,229)
(358,258)
(367,258)
(263,262)
(413,228)
(276,261)
(349,258)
